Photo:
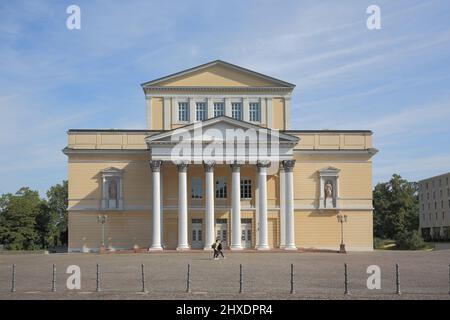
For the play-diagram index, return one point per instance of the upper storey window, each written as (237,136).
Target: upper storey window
(219,109)
(236,110)
(201,111)
(183,111)
(254,112)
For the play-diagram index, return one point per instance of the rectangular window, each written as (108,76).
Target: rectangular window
(219,109)
(236,110)
(255,112)
(183,111)
(246,188)
(196,188)
(221,188)
(201,111)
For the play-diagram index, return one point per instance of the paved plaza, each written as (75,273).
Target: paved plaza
(423,275)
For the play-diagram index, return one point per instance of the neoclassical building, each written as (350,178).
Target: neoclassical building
(219,159)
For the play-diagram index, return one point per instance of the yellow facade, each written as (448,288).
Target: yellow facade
(97,156)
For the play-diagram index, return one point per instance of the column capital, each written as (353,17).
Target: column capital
(182,166)
(155,165)
(263,164)
(288,165)
(235,166)
(209,165)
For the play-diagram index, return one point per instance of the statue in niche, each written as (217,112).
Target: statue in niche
(112,189)
(329,194)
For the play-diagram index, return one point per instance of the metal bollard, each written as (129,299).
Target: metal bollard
(54,279)
(241,278)
(188,283)
(144,290)
(345,279)
(98,279)
(449,279)
(13,285)
(397,279)
(292,278)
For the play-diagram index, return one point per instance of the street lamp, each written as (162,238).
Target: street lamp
(341,219)
(102,219)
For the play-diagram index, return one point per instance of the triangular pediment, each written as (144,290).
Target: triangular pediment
(218,74)
(220,129)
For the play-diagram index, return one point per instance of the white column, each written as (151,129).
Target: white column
(263,243)
(269,112)
(245,109)
(282,207)
(236,243)
(287,113)
(289,189)
(210,107)
(182,207)
(156,205)
(209,207)
(148,101)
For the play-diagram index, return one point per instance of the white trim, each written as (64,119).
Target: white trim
(287,113)
(148,102)
(167,107)
(269,109)
(245,109)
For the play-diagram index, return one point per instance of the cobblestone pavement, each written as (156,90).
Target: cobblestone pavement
(423,275)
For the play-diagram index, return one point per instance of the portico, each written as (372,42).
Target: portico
(248,152)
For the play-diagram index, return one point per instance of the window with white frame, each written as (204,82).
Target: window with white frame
(219,109)
(246,188)
(236,110)
(254,112)
(183,111)
(196,188)
(112,189)
(221,188)
(201,111)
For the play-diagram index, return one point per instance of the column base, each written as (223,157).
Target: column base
(155,248)
(290,247)
(236,247)
(263,247)
(183,247)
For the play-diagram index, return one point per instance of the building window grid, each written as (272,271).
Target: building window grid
(183,112)
(236,110)
(201,111)
(254,112)
(246,188)
(196,188)
(221,188)
(219,109)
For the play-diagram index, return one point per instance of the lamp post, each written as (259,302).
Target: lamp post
(342,218)
(102,219)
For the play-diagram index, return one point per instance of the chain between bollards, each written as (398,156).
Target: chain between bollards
(241,278)
(54,279)
(144,290)
(188,283)
(397,279)
(292,279)
(345,279)
(13,285)
(98,279)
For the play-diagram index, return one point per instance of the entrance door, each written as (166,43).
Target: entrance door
(197,234)
(246,233)
(221,231)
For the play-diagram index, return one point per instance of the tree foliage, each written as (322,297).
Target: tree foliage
(396,207)
(28,222)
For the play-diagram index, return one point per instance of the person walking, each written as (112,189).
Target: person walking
(220,250)
(215,247)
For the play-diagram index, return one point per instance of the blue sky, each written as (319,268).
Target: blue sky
(394,81)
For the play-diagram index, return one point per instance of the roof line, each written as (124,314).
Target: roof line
(216,62)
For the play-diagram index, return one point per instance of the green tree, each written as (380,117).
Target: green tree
(18,219)
(57,203)
(396,207)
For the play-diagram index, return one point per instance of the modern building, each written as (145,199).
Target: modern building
(434,207)
(219,159)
